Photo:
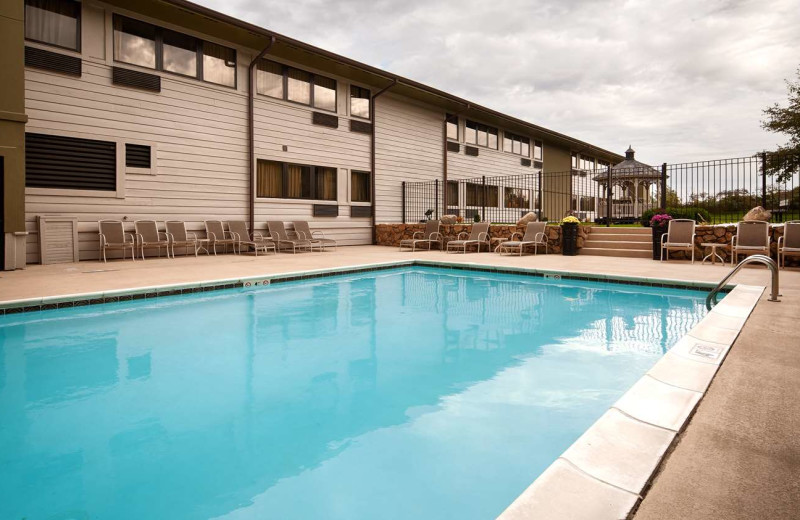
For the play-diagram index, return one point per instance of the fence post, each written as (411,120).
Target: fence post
(483,200)
(609,198)
(664,186)
(764,180)
(540,215)
(436,200)
(404,201)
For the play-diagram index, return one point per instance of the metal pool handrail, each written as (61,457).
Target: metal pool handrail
(711,299)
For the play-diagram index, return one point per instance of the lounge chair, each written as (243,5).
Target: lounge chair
(113,236)
(283,240)
(752,236)
(148,235)
(238,229)
(178,236)
(679,237)
(430,236)
(315,237)
(216,234)
(534,236)
(789,243)
(478,236)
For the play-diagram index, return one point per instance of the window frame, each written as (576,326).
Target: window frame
(369,187)
(312,84)
(313,183)
(368,98)
(78,31)
(452,119)
(516,140)
(486,130)
(159,51)
(483,196)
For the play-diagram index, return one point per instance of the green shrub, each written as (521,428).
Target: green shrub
(690,212)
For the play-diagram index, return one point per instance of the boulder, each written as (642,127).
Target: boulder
(449,220)
(758,213)
(526,218)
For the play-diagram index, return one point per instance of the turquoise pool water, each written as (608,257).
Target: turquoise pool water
(398,394)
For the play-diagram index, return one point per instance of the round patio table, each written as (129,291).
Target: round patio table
(713,255)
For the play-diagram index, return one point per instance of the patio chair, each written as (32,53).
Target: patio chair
(317,238)
(789,243)
(752,236)
(113,236)
(178,236)
(283,240)
(238,229)
(534,236)
(478,236)
(216,234)
(148,235)
(679,237)
(430,236)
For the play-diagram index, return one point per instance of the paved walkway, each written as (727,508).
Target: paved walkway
(739,457)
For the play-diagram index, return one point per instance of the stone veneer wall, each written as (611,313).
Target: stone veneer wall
(722,235)
(392,234)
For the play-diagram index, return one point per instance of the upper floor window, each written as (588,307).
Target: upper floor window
(537,150)
(516,144)
(55,22)
(359,102)
(482,135)
(452,127)
(146,45)
(290,84)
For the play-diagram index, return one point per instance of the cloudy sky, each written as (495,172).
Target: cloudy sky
(679,81)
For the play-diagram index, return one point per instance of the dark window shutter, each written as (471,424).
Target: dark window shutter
(137,156)
(48,60)
(471,150)
(325,120)
(525,162)
(136,79)
(54,161)
(360,211)
(453,147)
(360,127)
(326,210)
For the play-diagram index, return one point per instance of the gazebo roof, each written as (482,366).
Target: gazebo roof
(630,169)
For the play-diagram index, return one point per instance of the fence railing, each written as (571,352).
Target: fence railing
(717,191)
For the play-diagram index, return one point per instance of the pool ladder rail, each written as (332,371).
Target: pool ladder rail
(711,299)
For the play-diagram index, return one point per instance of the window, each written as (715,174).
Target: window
(480,195)
(295,181)
(359,102)
(290,84)
(537,150)
(516,144)
(482,135)
(574,161)
(298,86)
(325,93)
(269,79)
(452,193)
(452,127)
(146,45)
(137,156)
(517,198)
(587,203)
(54,161)
(360,187)
(55,22)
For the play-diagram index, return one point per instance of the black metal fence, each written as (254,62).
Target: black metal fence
(717,191)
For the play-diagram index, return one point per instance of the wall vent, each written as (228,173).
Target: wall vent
(53,61)
(453,147)
(360,127)
(525,162)
(137,156)
(326,210)
(360,211)
(471,150)
(56,161)
(136,79)
(328,120)
(537,164)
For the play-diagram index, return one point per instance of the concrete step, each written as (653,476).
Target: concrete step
(622,230)
(625,253)
(618,244)
(620,238)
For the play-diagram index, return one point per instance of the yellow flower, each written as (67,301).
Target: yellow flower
(570,220)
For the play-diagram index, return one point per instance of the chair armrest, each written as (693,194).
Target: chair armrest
(211,236)
(257,236)
(103,240)
(664,239)
(125,237)
(733,242)
(314,233)
(420,233)
(466,235)
(170,236)
(540,237)
(230,234)
(235,236)
(295,233)
(138,238)
(515,233)
(780,242)
(437,234)
(483,237)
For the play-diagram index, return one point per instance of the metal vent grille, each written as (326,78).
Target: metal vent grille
(360,211)
(136,79)
(54,161)
(537,164)
(326,210)
(48,60)
(453,147)
(525,162)
(471,150)
(325,120)
(360,127)
(137,156)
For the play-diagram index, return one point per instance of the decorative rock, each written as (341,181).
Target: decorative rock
(448,220)
(758,213)
(719,231)
(526,218)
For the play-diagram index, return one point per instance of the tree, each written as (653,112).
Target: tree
(785,161)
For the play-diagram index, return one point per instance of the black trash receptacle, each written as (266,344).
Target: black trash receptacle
(569,239)
(658,232)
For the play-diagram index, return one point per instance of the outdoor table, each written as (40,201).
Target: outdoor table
(497,242)
(713,254)
(202,245)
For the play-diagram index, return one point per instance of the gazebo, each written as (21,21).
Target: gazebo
(631,184)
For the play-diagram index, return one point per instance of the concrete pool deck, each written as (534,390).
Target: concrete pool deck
(739,455)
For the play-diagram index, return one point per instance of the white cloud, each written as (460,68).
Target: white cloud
(679,80)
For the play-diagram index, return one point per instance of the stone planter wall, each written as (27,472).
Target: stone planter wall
(392,234)
(723,235)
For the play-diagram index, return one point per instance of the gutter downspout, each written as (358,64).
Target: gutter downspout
(251,146)
(372,154)
(444,162)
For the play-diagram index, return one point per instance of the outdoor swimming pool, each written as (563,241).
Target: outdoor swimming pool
(405,393)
